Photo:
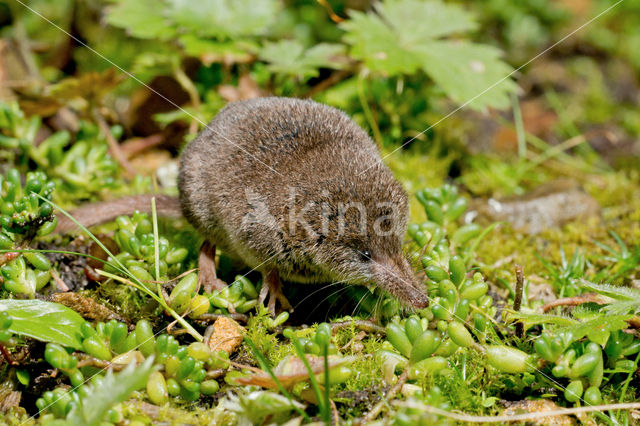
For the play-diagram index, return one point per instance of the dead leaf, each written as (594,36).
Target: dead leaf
(227,335)
(91,85)
(11,400)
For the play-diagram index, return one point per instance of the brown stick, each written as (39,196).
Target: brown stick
(59,281)
(575,301)
(7,355)
(517,302)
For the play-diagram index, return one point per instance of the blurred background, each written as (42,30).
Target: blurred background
(397,67)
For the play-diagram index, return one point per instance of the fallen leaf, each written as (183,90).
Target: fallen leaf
(227,335)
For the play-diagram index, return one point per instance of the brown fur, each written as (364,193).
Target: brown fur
(230,192)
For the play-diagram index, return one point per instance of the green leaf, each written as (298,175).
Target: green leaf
(489,401)
(290,57)
(465,70)
(23,376)
(45,321)
(404,36)
(141,18)
(377,45)
(599,328)
(210,51)
(114,388)
(530,320)
(223,18)
(625,299)
(417,21)
(616,292)
(149,64)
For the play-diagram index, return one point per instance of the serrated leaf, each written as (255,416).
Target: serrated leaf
(44,321)
(417,21)
(616,292)
(223,18)
(598,329)
(405,36)
(114,388)
(290,57)
(140,18)
(465,71)
(625,299)
(377,45)
(531,320)
(624,307)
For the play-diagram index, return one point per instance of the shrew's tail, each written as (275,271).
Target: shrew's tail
(106,211)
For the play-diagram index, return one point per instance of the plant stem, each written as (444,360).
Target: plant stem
(517,302)
(520,132)
(114,147)
(367,112)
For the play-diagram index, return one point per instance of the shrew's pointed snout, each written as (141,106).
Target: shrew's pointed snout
(396,277)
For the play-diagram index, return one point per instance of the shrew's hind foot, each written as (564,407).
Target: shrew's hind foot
(207,277)
(271,285)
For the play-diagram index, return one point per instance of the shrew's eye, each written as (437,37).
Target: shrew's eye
(365,255)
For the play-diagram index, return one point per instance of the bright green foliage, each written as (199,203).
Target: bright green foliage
(25,213)
(574,352)
(135,239)
(240,296)
(184,367)
(23,208)
(223,18)
(20,278)
(624,300)
(79,170)
(93,403)
(5,324)
(443,207)
(255,407)
(211,19)
(141,19)
(321,345)
(289,57)
(566,277)
(18,132)
(44,321)
(406,36)
(508,359)
(315,344)
(624,259)
(412,413)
